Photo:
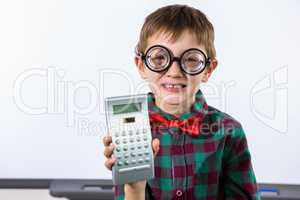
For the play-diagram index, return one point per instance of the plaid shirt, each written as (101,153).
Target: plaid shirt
(216,164)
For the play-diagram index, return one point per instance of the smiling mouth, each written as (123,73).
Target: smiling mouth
(173,87)
(167,85)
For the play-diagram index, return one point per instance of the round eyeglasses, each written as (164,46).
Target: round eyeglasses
(158,58)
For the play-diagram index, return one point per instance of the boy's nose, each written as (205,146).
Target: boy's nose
(175,70)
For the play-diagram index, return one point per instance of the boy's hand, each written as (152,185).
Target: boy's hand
(108,152)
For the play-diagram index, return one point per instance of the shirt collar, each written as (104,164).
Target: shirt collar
(199,107)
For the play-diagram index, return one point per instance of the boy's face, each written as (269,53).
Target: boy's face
(173,89)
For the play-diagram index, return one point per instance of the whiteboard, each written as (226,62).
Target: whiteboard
(60,59)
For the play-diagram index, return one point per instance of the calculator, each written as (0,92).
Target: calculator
(128,124)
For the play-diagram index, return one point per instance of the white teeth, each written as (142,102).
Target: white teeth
(177,86)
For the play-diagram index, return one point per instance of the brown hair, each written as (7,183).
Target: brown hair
(174,20)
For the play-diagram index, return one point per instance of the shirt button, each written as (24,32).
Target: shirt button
(179,193)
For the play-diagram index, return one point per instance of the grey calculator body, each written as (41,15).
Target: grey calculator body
(128,123)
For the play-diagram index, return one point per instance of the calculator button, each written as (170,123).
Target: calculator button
(133,161)
(133,154)
(118,149)
(147,159)
(132,147)
(145,138)
(124,140)
(140,160)
(130,132)
(120,163)
(119,157)
(144,130)
(137,131)
(140,153)
(146,153)
(117,134)
(125,148)
(126,162)
(146,145)
(138,139)
(126,155)
(117,141)
(131,140)
(139,146)
(123,133)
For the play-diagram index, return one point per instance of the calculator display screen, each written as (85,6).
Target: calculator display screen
(127,108)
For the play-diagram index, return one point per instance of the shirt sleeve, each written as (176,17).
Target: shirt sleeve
(120,195)
(238,178)
(119,192)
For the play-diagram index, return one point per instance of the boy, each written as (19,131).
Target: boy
(201,153)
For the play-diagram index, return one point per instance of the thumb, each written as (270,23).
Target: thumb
(155,146)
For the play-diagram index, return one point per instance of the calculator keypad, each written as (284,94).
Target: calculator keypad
(132,147)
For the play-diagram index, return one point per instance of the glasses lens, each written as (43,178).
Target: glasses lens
(193,61)
(158,58)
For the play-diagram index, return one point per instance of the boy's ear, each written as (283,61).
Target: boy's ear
(139,64)
(209,70)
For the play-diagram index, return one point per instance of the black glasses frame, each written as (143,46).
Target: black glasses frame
(207,61)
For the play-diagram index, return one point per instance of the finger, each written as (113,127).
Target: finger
(107,140)
(110,162)
(108,151)
(155,146)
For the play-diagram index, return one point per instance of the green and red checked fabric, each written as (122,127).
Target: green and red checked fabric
(213,164)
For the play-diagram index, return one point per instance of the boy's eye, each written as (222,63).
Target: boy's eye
(192,59)
(193,62)
(158,60)
(158,57)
